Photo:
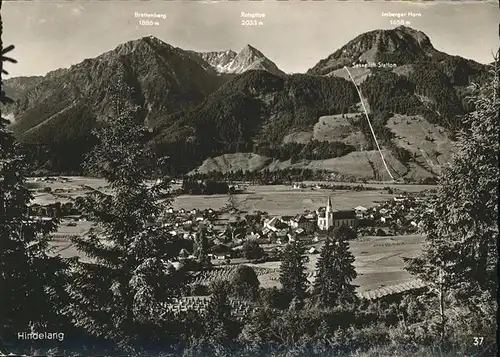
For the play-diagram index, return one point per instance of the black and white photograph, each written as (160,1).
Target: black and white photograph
(249,178)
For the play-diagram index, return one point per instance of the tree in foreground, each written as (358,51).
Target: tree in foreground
(30,280)
(118,293)
(460,255)
(335,270)
(220,328)
(293,276)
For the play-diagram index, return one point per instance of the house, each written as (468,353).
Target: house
(310,216)
(300,221)
(271,224)
(360,211)
(387,218)
(313,251)
(254,235)
(327,217)
(300,231)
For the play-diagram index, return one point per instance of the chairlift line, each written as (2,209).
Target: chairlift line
(370,124)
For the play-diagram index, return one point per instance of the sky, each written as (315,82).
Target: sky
(295,35)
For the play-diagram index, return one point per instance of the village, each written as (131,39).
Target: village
(235,235)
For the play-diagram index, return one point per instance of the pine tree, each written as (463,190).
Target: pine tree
(218,315)
(335,270)
(324,285)
(245,283)
(30,280)
(201,249)
(119,294)
(293,276)
(459,258)
(220,329)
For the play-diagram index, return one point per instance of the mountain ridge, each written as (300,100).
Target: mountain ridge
(157,72)
(207,104)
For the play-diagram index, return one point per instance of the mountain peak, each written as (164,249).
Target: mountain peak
(401,45)
(418,36)
(248,58)
(249,50)
(249,47)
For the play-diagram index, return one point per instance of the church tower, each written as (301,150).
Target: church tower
(329,204)
(329,213)
(325,218)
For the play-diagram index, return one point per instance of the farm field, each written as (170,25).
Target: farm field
(378,262)
(276,200)
(284,200)
(381,185)
(63,189)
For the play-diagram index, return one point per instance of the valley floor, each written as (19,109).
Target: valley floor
(379,262)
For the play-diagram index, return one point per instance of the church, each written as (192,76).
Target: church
(328,217)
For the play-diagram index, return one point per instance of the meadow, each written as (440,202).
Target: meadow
(379,262)
(285,200)
(275,199)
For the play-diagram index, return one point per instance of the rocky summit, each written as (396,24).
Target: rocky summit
(235,63)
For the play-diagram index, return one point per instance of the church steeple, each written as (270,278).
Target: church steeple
(329,204)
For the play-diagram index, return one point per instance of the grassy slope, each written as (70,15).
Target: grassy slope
(362,164)
(231,162)
(429,142)
(411,134)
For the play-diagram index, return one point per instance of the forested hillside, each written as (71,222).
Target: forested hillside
(254,110)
